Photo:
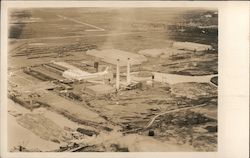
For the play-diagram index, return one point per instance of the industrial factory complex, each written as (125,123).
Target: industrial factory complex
(108,90)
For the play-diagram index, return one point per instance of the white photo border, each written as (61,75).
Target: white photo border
(233,71)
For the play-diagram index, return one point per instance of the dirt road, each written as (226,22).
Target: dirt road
(83,23)
(170,111)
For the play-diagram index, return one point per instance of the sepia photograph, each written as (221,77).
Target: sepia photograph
(112,79)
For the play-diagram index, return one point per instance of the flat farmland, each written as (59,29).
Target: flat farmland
(126,29)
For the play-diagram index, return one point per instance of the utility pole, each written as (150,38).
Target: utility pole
(128,72)
(118,75)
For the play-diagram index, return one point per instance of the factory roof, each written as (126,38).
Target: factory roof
(191,46)
(111,56)
(100,89)
(66,65)
(161,52)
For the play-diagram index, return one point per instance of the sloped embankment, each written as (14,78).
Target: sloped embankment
(43,127)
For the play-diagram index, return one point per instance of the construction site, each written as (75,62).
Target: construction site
(112,80)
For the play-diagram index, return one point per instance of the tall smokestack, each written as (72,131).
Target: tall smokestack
(117,75)
(128,72)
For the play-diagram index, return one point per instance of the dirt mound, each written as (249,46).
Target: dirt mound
(214,80)
(43,127)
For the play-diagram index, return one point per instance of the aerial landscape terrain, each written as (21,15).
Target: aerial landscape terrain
(112,79)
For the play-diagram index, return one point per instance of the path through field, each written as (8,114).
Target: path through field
(83,23)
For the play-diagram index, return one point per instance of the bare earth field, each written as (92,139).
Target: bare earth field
(47,113)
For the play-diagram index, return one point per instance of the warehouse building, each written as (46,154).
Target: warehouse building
(111,55)
(191,46)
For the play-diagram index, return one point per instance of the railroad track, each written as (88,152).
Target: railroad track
(170,111)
